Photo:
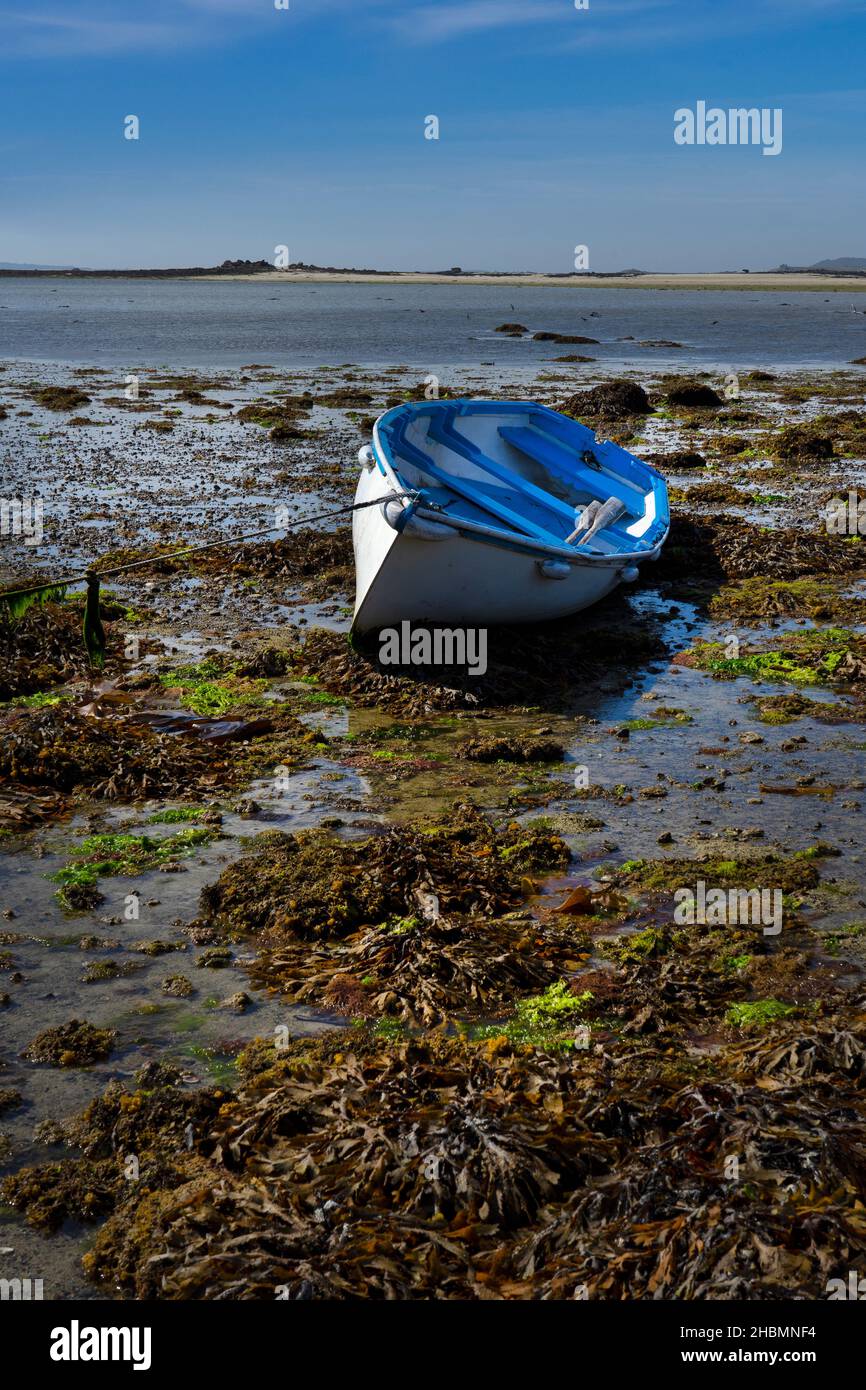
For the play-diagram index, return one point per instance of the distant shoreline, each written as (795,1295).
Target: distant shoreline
(758,280)
(787,281)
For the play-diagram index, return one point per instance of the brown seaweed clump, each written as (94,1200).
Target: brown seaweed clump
(60,397)
(425,972)
(802,443)
(695,395)
(153,1123)
(678,460)
(43,647)
(315,885)
(9,1099)
(515,749)
(57,747)
(73,1044)
(612,400)
(725,548)
(357,1169)
(511,1162)
(319,564)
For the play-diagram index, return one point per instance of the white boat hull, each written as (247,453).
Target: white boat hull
(460,579)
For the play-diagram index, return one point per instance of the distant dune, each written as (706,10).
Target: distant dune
(788,282)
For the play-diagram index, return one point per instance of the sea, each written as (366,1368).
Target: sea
(225,324)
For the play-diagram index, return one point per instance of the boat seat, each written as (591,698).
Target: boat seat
(471,491)
(609,457)
(441,430)
(565,462)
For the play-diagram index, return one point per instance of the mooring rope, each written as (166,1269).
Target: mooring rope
(82,578)
(15,600)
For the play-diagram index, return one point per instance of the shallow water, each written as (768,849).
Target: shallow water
(133,323)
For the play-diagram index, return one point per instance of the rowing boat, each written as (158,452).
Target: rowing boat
(495,512)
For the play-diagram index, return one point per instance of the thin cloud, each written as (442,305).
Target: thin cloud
(80,28)
(59,35)
(438,23)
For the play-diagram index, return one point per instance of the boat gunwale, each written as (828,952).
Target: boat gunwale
(524,544)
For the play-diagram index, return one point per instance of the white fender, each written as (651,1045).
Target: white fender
(404,520)
(554,569)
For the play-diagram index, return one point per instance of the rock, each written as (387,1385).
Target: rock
(9,1100)
(513,330)
(802,442)
(237,1003)
(515,749)
(80,897)
(285,430)
(562,338)
(178,986)
(694,394)
(612,400)
(681,460)
(215,958)
(154,1074)
(270,661)
(73,1044)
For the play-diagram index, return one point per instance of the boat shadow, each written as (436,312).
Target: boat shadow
(548,666)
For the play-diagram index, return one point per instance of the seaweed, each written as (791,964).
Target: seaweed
(73,1044)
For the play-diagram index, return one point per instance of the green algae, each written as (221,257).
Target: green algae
(177,815)
(643,945)
(755,599)
(221,1068)
(211,690)
(40,699)
(796,873)
(732,965)
(810,657)
(757,1014)
(125,856)
(664,719)
(542,1020)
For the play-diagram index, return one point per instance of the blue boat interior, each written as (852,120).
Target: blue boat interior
(536,470)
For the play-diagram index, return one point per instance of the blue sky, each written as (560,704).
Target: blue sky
(305,127)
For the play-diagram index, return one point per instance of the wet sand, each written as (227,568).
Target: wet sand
(714,280)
